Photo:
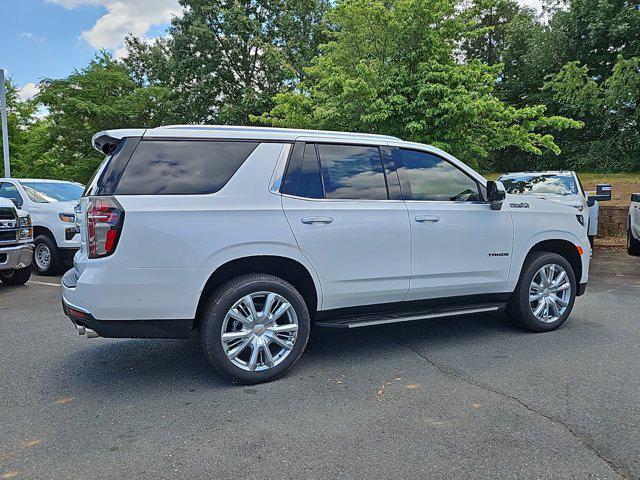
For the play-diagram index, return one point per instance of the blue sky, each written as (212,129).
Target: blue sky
(51,38)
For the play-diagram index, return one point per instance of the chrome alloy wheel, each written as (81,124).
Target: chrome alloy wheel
(42,256)
(259,331)
(549,293)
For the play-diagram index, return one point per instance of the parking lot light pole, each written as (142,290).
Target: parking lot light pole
(5,134)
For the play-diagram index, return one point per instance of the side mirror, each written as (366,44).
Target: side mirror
(495,194)
(603,190)
(635,197)
(603,194)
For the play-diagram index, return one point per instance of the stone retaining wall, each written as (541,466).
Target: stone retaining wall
(613,221)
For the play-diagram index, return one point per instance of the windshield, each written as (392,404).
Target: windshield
(52,192)
(540,184)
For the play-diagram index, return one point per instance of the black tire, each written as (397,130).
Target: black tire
(519,309)
(214,314)
(55,265)
(18,276)
(633,245)
(592,240)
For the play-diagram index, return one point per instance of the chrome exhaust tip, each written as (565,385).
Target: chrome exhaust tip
(87,332)
(91,333)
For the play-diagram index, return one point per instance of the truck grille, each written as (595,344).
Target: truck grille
(8,226)
(7,214)
(8,236)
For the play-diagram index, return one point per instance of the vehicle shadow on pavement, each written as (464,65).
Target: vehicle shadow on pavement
(155,364)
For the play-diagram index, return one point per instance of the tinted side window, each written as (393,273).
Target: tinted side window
(182,167)
(432,178)
(303,172)
(292,176)
(352,172)
(310,183)
(10,191)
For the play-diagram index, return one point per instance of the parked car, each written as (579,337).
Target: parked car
(248,235)
(561,187)
(633,226)
(16,249)
(51,205)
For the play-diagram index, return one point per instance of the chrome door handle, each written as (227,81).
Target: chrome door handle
(427,218)
(318,220)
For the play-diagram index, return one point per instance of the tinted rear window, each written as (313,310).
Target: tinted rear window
(182,167)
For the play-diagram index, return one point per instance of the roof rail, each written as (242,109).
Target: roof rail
(277,130)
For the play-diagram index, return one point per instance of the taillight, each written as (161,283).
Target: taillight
(105,217)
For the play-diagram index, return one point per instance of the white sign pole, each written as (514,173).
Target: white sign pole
(5,134)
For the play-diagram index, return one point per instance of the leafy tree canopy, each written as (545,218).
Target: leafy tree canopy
(391,67)
(101,96)
(226,60)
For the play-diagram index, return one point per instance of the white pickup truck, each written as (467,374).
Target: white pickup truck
(561,187)
(51,205)
(16,250)
(633,226)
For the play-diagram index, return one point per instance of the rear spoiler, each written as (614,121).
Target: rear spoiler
(107,140)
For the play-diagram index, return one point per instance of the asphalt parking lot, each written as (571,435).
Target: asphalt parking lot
(464,398)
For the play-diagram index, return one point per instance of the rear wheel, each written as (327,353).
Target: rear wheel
(633,245)
(46,257)
(545,293)
(18,276)
(254,328)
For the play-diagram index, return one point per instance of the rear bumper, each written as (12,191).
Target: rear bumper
(67,254)
(87,324)
(16,257)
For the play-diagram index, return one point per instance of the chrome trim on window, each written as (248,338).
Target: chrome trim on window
(281,165)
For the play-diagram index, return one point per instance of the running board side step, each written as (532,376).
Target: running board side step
(371,319)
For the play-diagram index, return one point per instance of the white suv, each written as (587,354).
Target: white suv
(250,235)
(51,205)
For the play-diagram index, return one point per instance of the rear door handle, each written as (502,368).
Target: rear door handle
(427,218)
(317,220)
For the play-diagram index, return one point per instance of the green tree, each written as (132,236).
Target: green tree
(576,54)
(20,116)
(390,68)
(226,60)
(101,96)
(610,111)
(488,37)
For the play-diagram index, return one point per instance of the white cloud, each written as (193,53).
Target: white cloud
(28,91)
(31,36)
(124,17)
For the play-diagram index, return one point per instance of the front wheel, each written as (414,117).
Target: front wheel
(46,257)
(545,293)
(633,245)
(254,328)
(18,276)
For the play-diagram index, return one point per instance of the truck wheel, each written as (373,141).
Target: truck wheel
(545,293)
(18,276)
(46,258)
(254,328)
(633,245)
